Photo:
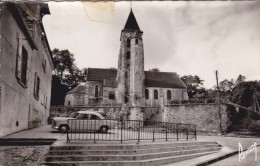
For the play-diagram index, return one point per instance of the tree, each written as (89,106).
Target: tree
(63,61)
(194,86)
(66,75)
(240,79)
(226,86)
(243,93)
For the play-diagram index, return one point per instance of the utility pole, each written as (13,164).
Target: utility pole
(219,111)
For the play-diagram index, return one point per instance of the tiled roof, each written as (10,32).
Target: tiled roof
(131,22)
(163,80)
(95,74)
(152,78)
(81,88)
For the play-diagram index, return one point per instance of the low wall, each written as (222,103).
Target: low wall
(205,116)
(110,112)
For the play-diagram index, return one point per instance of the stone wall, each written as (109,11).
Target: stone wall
(205,116)
(19,108)
(152,114)
(176,94)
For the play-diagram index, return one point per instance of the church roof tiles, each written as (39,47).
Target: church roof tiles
(81,88)
(152,78)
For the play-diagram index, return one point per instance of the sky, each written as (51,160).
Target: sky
(186,37)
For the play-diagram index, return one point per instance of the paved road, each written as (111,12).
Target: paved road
(234,160)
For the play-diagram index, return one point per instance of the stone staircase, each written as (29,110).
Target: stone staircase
(128,154)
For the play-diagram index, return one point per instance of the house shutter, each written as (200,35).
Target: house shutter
(19,59)
(27,76)
(35,85)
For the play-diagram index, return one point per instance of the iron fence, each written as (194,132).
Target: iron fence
(126,130)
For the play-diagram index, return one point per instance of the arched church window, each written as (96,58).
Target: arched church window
(126,99)
(96,90)
(128,55)
(169,95)
(112,95)
(128,43)
(136,41)
(155,93)
(69,102)
(146,94)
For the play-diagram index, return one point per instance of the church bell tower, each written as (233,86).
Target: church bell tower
(130,73)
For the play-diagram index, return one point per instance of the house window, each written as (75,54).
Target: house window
(155,93)
(111,95)
(96,90)
(128,55)
(128,43)
(169,95)
(22,64)
(36,86)
(146,94)
(136,41)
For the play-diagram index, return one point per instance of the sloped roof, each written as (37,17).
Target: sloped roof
(163,80)
(152,78)
(81,88)
(97,74)
(131,22)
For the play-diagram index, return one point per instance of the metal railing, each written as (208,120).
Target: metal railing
(127,130)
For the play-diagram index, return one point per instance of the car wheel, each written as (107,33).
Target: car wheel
(63,128)
(103,129)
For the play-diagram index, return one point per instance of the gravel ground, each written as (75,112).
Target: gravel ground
(22,155)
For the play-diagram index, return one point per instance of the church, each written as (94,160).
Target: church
(128,85)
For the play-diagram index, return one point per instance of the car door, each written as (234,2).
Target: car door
(77,125)
(94,122)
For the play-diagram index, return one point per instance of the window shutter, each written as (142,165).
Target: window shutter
(35,85)
(27,76)
(19,60)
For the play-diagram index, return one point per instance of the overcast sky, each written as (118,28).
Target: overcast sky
(190,38)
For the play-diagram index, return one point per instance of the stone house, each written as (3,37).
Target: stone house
(25,67)
(129,84)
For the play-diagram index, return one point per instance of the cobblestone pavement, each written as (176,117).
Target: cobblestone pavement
(22,155)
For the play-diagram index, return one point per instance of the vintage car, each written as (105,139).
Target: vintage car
(83,121)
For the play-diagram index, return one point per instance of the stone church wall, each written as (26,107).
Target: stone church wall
(176,94)
(90,90)
(205,116)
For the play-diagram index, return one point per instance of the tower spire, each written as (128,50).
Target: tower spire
(131,23)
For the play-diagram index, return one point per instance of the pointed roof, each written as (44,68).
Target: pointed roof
(131,22)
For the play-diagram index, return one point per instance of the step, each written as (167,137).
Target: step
(77,157)
(129,152)
(25,141)
(124,146)
(149,162)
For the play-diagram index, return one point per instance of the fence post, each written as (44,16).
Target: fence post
(187,133)
(94,132)
(166,134)
(195,133)
(121,139)
(68,140)
(177,132)
(139,131)
(153,130)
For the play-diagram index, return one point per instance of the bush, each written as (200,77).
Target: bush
(255,126)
